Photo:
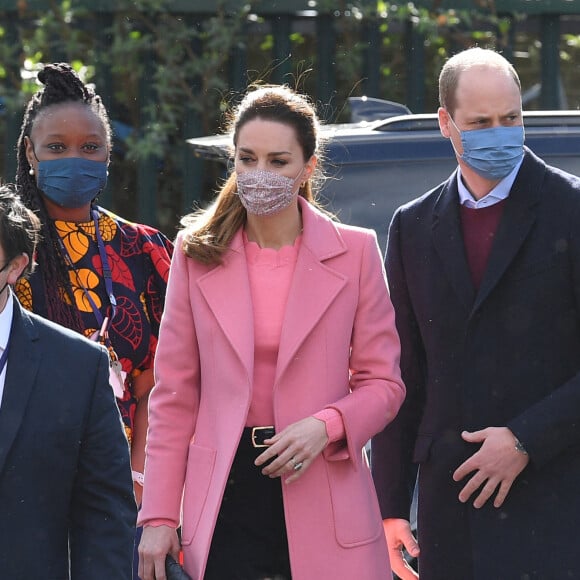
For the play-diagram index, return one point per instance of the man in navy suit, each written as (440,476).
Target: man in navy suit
(67,509)
(484,272)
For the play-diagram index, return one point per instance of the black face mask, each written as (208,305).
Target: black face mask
(2,270)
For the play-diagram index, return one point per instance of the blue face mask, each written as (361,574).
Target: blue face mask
(492,153)
(72,182)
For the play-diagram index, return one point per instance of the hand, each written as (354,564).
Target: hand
(298,444)
(399,536)
(495,465)
(156,542)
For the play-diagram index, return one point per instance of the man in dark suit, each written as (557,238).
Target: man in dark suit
(484,273)
(67,509)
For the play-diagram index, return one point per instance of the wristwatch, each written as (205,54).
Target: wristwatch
(519,447)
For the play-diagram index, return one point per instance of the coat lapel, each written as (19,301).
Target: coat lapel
(518,217)
(226,290)
(314,286)
(448,242)
(21,370)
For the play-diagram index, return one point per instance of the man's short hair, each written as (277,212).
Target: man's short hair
(19,227)
(462,61)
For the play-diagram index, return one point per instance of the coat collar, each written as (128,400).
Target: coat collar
(448,241)
(314,286)
(518,217)
(21,373)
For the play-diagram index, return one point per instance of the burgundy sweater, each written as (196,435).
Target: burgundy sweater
(479,227)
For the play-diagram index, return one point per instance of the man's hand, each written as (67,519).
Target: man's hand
(399,536)
(493,468)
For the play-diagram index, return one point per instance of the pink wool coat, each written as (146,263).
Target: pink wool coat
(338,348)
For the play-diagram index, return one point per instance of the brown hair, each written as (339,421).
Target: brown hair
(467,59)
(208,232)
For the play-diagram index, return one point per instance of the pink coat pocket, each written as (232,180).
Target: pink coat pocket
(200,466)
(357,519)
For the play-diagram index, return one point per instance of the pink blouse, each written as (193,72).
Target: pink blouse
(270,272)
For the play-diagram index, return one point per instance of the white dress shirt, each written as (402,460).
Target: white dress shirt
(500,192)
(5,326)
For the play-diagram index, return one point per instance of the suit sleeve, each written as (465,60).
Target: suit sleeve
(552,425)
(392,449)
(103,510)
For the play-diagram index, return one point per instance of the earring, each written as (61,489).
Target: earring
(31,171)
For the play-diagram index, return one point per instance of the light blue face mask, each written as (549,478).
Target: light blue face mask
(492,153)
(72,182)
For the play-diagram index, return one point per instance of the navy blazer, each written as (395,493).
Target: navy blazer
(507,354)
(65,476)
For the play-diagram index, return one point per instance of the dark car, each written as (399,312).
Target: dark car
(373,167)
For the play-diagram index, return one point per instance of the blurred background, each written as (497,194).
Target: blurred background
(168,70)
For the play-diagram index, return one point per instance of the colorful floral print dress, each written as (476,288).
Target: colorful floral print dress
(139,258)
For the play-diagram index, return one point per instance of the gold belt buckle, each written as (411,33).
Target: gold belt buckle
(255,431)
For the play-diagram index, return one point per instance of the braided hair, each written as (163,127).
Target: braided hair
(61,85)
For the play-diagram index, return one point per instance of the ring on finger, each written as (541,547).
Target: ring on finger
(298,466)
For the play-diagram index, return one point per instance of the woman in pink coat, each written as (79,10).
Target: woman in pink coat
(277,361)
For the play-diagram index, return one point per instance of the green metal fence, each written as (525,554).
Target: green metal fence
(281,18)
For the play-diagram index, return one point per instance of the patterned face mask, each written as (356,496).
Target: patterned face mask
(265,193)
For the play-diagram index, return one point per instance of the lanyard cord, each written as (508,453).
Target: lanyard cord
(105,263)
(4,357)
(106,273)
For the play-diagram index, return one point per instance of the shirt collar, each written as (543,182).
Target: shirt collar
(6,320)
(500,192)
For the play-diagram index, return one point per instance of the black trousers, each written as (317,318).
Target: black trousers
(249,541)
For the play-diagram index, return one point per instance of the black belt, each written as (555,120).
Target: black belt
(257,435)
